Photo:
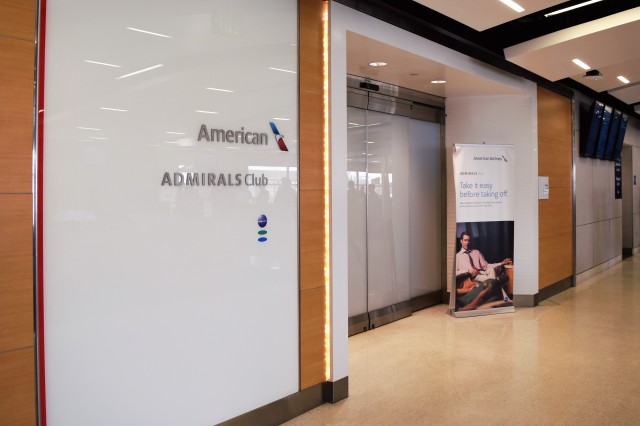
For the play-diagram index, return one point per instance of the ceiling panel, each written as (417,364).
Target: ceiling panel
(604,34)
(406,69)
(600,43)
(483,14)
(629,95)
(609,81)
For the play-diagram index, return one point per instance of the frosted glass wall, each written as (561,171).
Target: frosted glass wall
(394,190)
(170,210)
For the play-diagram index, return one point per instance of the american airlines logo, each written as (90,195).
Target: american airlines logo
(279,137)
(241,136)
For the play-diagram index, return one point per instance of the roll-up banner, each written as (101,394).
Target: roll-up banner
(484,264)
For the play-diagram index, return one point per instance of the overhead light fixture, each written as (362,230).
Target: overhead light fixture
(593,75)
(513,5)
(566,9)
(581,64)
(438,81)
(377,64)
(623,79)
(206,112)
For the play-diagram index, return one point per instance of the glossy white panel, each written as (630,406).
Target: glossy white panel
(602,242)
(615,226)
(339,209)
(601,191)
(583,189)
(632,136)
(425,208)
(584,248)
(394,209)
(159,298)
(357,210)
(387,210)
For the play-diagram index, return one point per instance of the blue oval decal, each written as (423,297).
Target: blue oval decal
(262,221)
(262,239)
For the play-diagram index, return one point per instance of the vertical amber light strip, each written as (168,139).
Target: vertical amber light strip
(327,190)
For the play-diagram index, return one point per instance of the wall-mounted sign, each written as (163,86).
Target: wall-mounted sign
(164,156)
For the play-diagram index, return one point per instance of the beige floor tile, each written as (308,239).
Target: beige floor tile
(572,360)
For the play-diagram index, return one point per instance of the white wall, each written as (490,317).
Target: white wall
(161,306)
(513,122)
(502,120)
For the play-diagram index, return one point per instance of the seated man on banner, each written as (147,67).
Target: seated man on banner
(478,282)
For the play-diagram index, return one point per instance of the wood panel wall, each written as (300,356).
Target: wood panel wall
(555,215)
(17,359)
(311,194)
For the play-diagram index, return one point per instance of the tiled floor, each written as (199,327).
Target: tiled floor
(572,360)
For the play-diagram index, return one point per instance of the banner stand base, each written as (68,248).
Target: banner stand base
(481,312)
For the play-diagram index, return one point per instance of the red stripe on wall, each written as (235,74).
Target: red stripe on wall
(42,401)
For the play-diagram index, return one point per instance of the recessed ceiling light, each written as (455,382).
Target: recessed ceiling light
(623,79)
(513,5)
(581,64)
(566,9)
(438,81)
(206,112)
(377,64)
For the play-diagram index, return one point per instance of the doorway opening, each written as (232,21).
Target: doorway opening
(395,174)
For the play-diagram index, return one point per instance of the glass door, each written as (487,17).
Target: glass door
(394,207)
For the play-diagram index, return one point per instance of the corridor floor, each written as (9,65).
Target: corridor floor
(572,360)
